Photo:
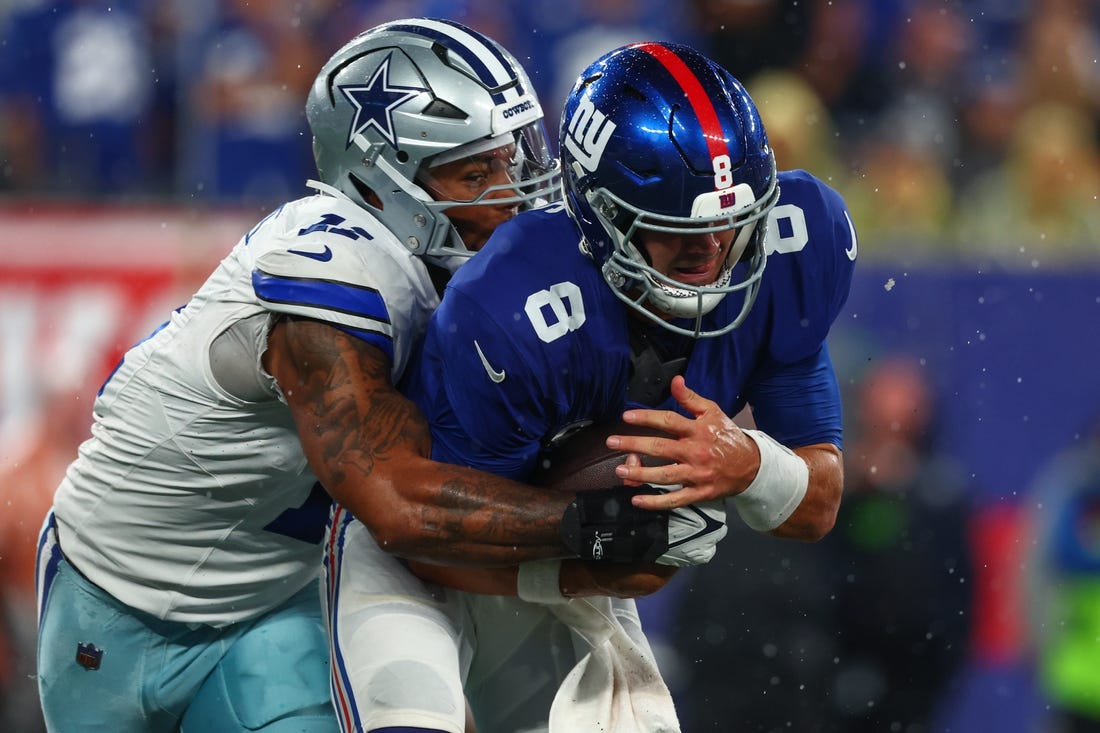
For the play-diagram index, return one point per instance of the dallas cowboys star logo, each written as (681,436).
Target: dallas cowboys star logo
(375,103)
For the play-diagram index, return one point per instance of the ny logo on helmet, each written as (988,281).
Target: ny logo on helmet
(588,134)
(375,103)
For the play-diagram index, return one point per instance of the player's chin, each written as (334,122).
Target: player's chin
(494,217)
(475,237)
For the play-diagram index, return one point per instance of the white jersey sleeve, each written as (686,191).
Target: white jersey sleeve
(335,269)
(193,500)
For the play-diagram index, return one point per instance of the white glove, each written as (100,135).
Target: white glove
(693,531)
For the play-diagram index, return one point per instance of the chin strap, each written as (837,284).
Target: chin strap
(321,187)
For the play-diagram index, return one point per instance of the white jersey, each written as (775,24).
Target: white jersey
(193,500)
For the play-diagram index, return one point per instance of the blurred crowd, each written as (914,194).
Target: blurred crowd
(969,126)
(865,631)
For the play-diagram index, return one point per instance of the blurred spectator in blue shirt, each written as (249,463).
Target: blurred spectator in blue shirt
(80,81)
(557,39)
(253,67)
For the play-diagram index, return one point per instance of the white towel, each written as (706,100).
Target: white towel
(616,687)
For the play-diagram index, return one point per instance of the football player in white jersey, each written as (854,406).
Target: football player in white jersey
(177,573)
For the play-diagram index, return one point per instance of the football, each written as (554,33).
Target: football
(583,461)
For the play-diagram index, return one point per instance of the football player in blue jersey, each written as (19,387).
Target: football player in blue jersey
(177,573)
(648,278)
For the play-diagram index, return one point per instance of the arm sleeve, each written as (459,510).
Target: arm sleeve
(799,404)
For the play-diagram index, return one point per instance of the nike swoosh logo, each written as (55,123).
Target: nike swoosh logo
(851,251)
(709,525)
(323,256)
(494,375)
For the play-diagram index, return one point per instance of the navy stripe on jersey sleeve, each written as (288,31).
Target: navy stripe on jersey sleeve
(380,340)
(328,295)
(357,311)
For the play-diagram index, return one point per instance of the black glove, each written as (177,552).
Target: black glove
(602,524)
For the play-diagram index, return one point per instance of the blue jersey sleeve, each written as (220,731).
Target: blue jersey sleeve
(800,404)
(809,270)
(793,391)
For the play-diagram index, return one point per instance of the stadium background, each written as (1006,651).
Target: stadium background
(140,139)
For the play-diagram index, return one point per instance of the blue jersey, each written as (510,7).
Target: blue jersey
(530,342)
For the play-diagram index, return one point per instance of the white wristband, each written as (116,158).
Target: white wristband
(778,488)
(538,582)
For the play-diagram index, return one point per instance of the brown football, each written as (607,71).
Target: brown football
(585,462)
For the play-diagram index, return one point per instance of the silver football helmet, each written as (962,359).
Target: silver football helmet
(412,94)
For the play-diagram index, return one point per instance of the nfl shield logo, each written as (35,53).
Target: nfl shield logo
(88,656)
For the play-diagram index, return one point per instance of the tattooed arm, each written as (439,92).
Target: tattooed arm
(370,447)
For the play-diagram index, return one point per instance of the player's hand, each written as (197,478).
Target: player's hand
(693,531)
(710,456)
(605,525)
(579,579)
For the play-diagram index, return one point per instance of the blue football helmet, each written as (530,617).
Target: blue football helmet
(655,136)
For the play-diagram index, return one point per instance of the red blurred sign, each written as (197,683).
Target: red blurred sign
(78,286)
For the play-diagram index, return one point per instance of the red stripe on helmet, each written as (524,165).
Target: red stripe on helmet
(697,97)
